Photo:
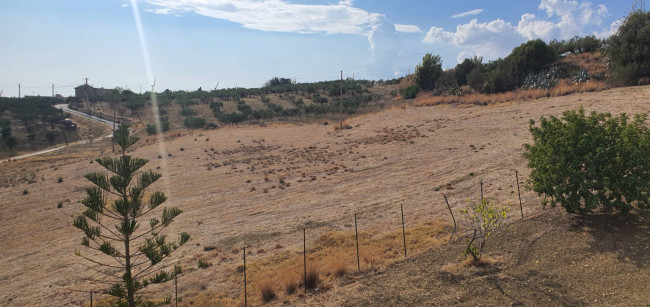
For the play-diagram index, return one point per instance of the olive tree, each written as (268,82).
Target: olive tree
(114,229)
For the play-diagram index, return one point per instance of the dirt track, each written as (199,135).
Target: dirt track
(300,176)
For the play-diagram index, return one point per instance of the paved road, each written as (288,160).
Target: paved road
(64,108)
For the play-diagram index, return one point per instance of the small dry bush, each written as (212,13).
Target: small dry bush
(337,266)
(312,280)
(289,279)
(267,289)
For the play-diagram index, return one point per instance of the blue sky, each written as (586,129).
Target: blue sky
(202,43)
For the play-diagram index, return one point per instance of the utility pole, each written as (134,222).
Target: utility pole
(86,91)
(52,90)
(18,90)
(341,103)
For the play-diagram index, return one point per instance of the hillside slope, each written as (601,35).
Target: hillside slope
(260,186)
(550,258)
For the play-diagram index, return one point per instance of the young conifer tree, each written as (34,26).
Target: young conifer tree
(114,231)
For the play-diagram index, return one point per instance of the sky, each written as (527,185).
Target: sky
(187,44)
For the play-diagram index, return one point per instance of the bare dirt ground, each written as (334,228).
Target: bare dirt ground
(259,186)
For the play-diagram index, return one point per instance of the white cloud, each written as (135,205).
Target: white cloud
(277,15)
(497,38)
(124,5)
(530,27)
(468,13)
(464,55)
(407,28)
(613,28)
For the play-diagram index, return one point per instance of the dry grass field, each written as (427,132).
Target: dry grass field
(260,186)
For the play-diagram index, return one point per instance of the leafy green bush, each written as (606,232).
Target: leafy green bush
(476,78)
(410,92)
(50,136)
(194,122)
(187,112)
(581,161)
(151,128)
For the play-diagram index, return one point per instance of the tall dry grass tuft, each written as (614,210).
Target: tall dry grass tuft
(312,279)
(289,279)
(267,289)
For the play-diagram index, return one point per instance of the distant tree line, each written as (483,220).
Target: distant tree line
(29,111)
(531,63)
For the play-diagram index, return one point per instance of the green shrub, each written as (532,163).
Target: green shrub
(410,92)
(483,218)
(59,180)
(50,136)
(202,264)
(581,161)
(188,112)
(194,122)
(476,79)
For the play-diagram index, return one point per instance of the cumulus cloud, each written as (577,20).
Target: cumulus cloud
(464,55)
(468,13)
(407,28)
(613,28)
(497,38)
(277,15)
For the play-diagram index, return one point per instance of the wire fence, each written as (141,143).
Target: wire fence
(171,289)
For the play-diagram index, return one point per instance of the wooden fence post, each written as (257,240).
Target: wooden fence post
(519,193)
(356,234)
(304,257)
(452,217)
(403,229)
(245,294)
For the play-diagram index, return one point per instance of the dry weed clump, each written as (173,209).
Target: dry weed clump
(312,280)
(267,289)
(338,267)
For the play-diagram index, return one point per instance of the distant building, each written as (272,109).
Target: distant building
(92,93)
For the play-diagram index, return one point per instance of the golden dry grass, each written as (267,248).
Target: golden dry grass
(561,89)
(331,257)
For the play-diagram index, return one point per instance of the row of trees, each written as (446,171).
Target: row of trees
(496,76)
(30,110)
(627,50)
